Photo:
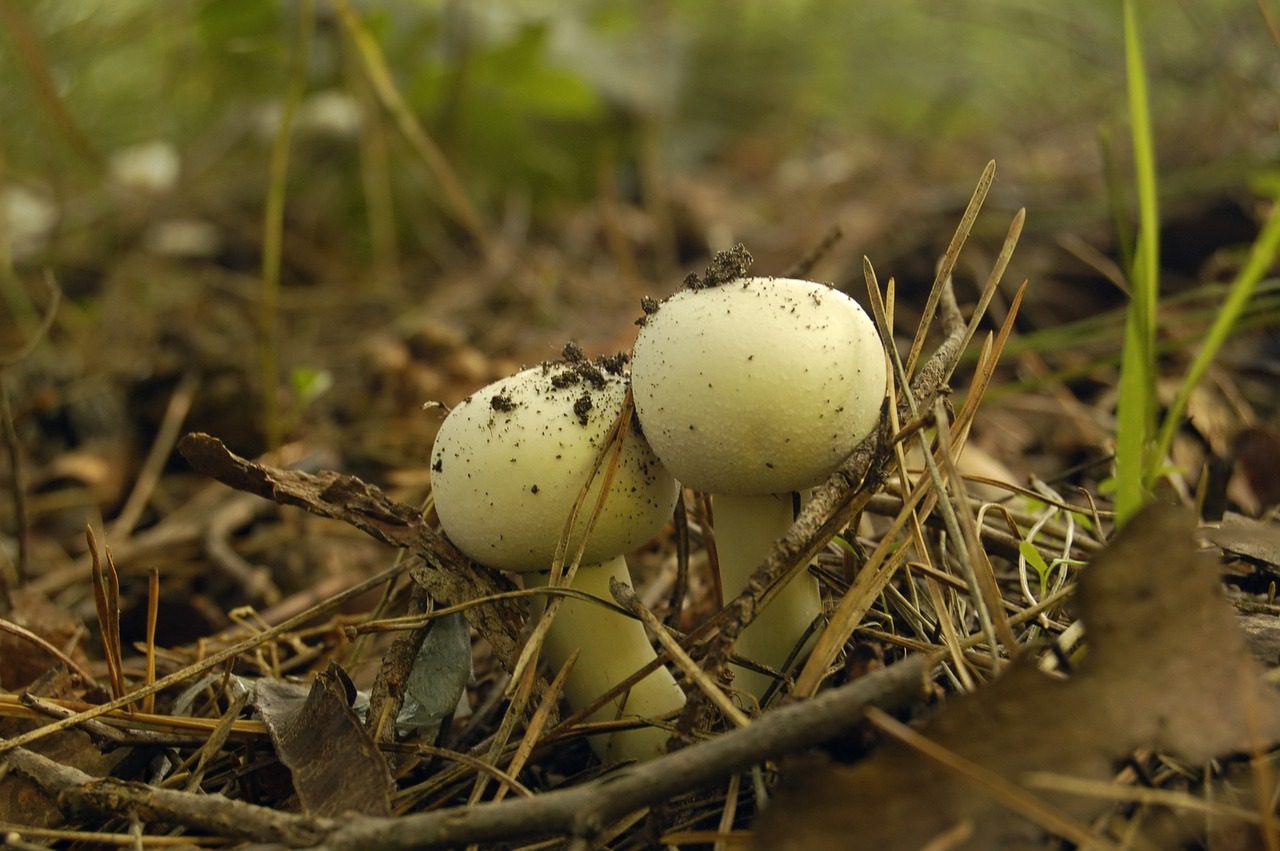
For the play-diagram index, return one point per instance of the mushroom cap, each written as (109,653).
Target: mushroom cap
(758,385)
(509,461)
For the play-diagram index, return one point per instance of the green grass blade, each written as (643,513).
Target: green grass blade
(1135,420)
(273,229)
(1261,255)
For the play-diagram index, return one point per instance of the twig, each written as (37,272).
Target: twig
(213,745)
(209,813)
(107,733)
(36,64)
(993,281)
(27,635)
(956,538)
(210,662)
(18,490)
(375,67)
(538,722)
(153,613)
(16,479)
(832,505)
(996,540)
(520,696)
(1110,791)
(46,322)
(586,810)
(805,264)
(680,587)
(942,280)
(1006,792)
(387,695)
(174,414)
(11,834)
(180,527)
(13,839)
(705,684)
(273,227)
(446,574)
(106,596)
(255,581)
(977,566)
(729,813)
(869,581)
(198,727)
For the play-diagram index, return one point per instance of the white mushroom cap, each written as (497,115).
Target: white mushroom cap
(757,385)
(510,460)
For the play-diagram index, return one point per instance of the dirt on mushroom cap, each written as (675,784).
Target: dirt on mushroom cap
(506,476)
(760,385)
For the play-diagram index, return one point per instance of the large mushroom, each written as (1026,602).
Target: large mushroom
(508,465)
(751,390)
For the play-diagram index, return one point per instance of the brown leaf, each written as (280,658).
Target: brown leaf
(1167,667)
(335,765)
(445,573)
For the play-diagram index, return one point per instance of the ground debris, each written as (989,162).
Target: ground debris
(445,573)
(1248,539)
(724,267)
(336,767)
(1167,667)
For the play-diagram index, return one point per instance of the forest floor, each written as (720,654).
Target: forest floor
(252,608)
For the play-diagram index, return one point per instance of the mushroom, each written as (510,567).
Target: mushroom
(751,390)
(508,465)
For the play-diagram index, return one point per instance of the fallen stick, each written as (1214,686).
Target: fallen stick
(581,812)
(585,811)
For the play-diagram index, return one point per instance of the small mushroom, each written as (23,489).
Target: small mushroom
(751,390)
(505,482)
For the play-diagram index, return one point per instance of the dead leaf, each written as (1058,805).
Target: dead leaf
(336,767)
(1255,541)
(437,679)
(1167,667)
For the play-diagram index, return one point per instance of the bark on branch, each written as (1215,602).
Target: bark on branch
(81,792)
(585,811)
(581,812)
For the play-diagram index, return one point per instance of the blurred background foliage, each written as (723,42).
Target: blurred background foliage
(609,147)
(527,98)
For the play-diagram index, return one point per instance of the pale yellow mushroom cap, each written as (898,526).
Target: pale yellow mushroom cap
(757,385)
(510,460)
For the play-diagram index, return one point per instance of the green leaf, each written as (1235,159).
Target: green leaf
(1083,520)
(1033,557)
(309,383)
(1135,414)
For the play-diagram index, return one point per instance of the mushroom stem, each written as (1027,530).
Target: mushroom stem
(746,528)
(613,647)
